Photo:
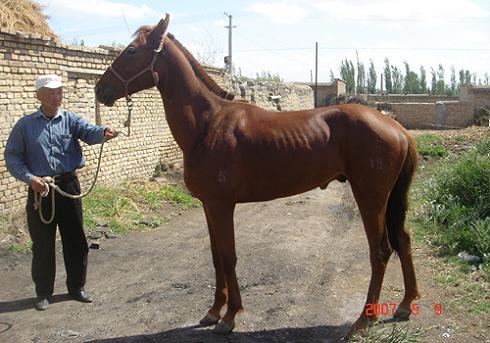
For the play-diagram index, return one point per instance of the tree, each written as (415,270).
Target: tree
(441,85)
(433,83)
(486,80)
(397,77)
(461,77)
(332,77)
(467,77)
(347,73)
(388,79)
(411,84)
(452,90)
(361,79)
(423,80)
(372,78)
(206,51)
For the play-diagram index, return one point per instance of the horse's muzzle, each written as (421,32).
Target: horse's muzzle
(103,96)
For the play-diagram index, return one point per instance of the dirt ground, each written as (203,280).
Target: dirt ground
(303,268)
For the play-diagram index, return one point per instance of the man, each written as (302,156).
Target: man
(45,143)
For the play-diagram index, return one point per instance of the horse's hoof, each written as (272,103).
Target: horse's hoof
(352,331)
(359,326)
(224,328)
(402,314)
(208,320)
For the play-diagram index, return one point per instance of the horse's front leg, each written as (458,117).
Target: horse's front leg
(220,295)
(219,216)
(221,228)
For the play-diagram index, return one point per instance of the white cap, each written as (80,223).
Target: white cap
(48,81)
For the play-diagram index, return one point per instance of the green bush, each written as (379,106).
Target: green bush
(457,200)
(483,147)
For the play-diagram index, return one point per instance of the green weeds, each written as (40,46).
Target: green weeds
(431,145)
(390,334)
(130,206)
(452,216)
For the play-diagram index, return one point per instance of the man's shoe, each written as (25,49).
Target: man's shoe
(81,296)
(42,304)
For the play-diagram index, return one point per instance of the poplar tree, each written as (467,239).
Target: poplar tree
(388,79)
(397,78)
(347,73)
(372,78)
(423,81)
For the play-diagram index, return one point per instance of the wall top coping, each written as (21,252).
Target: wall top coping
(450,102)
(407,103)
(412,95)
(82,70)
(56,42)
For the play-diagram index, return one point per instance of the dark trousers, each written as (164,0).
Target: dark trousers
(69,219)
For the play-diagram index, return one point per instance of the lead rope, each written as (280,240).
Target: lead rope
(49,182)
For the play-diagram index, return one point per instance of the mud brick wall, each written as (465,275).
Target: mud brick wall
(409,98)
(275,96)
(25,56)
(478,96)
(454,114)
(414,115)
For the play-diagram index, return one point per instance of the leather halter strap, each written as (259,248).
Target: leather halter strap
(126,83)
(150,68)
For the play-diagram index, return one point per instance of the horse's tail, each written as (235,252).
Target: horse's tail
(398,200)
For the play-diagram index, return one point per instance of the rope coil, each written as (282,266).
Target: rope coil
(49,184)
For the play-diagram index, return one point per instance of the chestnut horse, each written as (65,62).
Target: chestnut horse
(236,152)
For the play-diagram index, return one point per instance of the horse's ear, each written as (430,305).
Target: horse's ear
(158,34)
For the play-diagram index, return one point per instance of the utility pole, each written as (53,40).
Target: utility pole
(316,75)
(228,60)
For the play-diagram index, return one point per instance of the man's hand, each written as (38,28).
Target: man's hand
(37,184)
(110,133)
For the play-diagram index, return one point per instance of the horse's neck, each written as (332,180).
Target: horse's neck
(188,103)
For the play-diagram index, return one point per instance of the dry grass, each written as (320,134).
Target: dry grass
(25,16)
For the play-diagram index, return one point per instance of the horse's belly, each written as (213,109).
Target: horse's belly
(274,190)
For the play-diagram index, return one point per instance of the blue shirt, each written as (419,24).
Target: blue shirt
(40,146)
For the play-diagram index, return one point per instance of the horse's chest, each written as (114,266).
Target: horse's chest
(206,182)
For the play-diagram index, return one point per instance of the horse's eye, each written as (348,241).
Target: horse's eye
(131,50)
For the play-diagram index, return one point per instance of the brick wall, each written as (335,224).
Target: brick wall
(275,96)
(478,96)
(414,115)
(440,115)
(25,56)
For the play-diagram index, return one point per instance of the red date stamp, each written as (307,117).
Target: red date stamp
(385,309)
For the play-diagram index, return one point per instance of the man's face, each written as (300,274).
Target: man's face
(50,98)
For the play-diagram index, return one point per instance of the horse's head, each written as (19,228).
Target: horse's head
(134,69)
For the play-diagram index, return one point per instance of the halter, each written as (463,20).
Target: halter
(126,83)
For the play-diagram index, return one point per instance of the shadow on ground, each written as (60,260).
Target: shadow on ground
(196,334)
(28,303)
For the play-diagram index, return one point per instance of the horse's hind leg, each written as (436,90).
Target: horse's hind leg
(373,208)
(411,290)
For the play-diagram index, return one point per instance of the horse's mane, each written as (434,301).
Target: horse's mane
(142,34)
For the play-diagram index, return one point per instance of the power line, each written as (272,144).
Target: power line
(362,48)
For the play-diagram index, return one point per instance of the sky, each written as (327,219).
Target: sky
(279,36)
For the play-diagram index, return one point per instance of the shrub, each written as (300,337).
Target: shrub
(457,202)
